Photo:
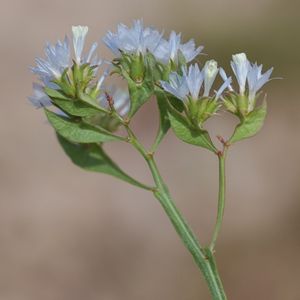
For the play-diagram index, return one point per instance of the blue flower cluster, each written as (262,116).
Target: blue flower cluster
(185,83)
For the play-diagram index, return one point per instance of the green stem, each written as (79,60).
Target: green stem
(202,256)
(221,199)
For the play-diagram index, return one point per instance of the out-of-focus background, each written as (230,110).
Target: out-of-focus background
(66,234)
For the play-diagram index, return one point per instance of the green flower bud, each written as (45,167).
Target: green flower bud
(199,111)
(242,104)
(137,68)
(230,106)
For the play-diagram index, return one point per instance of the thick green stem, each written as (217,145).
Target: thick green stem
(202,256)
(221,200)
(203,261)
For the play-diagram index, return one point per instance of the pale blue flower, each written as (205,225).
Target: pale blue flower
(194,80)
(134,40)
(39,98)
(79,35)
(176,86)
(169,50)
(247,72)
(256,79)
(102,78)
(90,58)
(58,56)
(226,85)
(225,78)
(190,83)
(240,66)
(57,59)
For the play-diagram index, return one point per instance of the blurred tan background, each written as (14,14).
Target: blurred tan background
(66,234)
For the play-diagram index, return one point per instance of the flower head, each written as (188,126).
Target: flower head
(250,79)
(169,50)
(134,40)
(58,59)
(190,83)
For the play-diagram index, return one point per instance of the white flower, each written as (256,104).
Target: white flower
(135,40)
(79,35)
(240,66)
(39,98)
(210,72)
(191,82)
(256,80)
(169,50)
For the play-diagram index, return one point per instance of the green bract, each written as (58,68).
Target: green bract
(199,111)
(250,124)
(188,132)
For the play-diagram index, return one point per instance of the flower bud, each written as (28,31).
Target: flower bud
(137,68)
(199,111)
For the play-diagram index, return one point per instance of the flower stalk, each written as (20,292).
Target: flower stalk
(203,257)
(221,196)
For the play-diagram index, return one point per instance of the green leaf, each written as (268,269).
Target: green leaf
(76,108)
(176,103)
(139,94)
(187,133)
(52,93)
(90,101)
(79,132)
(92,157)
(164,122)
(250,125)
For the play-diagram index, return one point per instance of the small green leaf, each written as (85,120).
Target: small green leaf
(90,101)
(189,134)
(139,94)
(76,108)
(164,122)
(52,93)
(79,132)
(92,157)
(250,125)
(176,103)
